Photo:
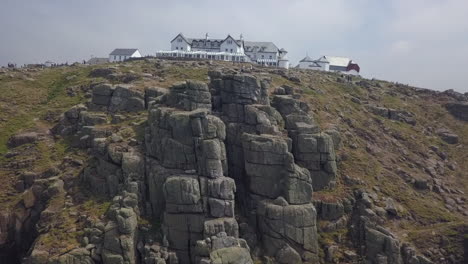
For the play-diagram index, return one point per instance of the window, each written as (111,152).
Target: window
(271,57)
(229,41)
(179,40)
(222,57)
(263,56)
(176,48)
(231,50)
(226,50)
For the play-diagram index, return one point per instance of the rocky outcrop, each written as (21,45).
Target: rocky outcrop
(120,233)
(118,98)
(275,193)
(393,114)
(21,225)
(22,138)
(378,244)
(312,149)
(447,136)
(458,110)
(197,198)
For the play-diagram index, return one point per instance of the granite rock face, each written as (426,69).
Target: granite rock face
(312,150)
(185,140)
(459,110)
(118,98)
(275,193)
(207,147)
(120,233)
(378,244)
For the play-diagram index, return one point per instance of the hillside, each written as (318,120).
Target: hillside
(153,161)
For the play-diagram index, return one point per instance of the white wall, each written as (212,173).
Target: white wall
(118,58)
(137,54)
(113,58)
(231,48)
(325,66)
(180,44)
(283,64)
(312,66)
(266,55)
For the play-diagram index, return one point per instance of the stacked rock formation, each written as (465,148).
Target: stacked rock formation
(312,149)
(207,147)
(198,199)
(275,192)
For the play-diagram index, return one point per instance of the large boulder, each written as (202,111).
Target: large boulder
(22,138)
(459,110)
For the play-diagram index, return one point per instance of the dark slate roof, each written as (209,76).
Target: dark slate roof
(205,43)
(252,46)
(183,37)
(123,52)
(210,43)
(307,59)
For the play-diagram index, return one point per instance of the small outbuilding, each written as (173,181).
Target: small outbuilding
(123,54)
(49,64)
(331,63)
(309,63)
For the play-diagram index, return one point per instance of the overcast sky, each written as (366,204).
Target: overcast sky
(419,42)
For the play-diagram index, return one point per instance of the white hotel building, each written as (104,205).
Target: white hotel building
(228,49)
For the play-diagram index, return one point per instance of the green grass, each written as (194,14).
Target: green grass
(28,101)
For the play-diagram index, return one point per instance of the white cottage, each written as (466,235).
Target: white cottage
(311,64)
(266,53)
(123,54)
(49,64)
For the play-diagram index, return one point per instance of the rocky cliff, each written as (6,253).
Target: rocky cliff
(198,163)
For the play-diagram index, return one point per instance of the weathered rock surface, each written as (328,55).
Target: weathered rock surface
(262,164)
(377,244)
(393,114)
(118,98)
(22,138)
(312,149)
(198,199)
(459,110)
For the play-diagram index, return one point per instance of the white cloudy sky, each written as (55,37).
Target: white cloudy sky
(419,42)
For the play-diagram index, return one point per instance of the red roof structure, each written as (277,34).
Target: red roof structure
(353,66)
